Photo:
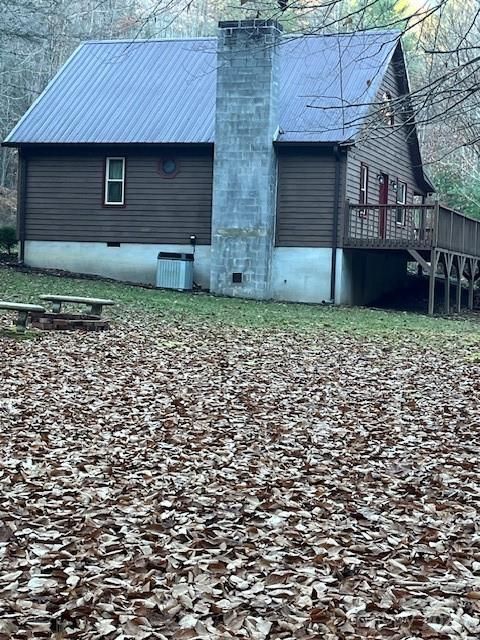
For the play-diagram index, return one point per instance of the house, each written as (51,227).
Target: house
(292,161)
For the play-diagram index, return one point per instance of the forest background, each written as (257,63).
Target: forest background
(441,39)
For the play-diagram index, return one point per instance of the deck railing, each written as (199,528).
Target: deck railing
(411,226)
(457,232)
(390,225)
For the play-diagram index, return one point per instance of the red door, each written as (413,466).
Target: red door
(383,199)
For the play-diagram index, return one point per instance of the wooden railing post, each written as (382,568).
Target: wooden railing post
(436,222)
(421,231)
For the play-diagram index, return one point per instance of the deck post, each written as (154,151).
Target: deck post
(446,289)
(472,267)
(447,267)
(431,284)
(460,266)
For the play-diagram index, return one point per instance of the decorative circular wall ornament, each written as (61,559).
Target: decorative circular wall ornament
(168,167)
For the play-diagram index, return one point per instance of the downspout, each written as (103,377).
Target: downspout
(336,216)
(21,203)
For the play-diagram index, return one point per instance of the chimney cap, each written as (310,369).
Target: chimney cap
(255,23)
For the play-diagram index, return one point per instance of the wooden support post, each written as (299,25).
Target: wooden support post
(460,266)
(447,265)
(472,267)
(471,283)
(434,255)
(458,288)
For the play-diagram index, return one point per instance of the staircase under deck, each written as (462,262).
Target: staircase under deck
(433,235)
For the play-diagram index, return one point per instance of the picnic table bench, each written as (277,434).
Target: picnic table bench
(96,304)
(23,311)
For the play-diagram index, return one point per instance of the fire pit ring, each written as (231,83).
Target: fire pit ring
(67,322)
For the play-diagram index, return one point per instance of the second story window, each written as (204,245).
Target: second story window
(114,181)
(401,200)
(363,188)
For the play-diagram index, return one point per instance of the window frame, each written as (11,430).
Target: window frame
(402,188)
(108,180)
(363,188)
(165,174)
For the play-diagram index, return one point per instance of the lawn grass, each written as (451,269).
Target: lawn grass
(201,307)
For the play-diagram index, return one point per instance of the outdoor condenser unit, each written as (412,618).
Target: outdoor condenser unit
(175,270)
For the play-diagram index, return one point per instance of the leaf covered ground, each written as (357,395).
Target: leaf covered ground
(221,469)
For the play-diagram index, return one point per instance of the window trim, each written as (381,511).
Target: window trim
(402,221)
(107,180)
(363,188)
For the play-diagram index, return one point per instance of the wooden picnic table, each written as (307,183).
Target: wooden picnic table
(23,312)
(96,304)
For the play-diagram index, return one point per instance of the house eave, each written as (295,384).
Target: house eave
(314,144)
(204,144)
(87,145)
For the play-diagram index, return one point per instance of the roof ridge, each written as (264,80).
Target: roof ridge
(133,41)
(348,34)
(345,34)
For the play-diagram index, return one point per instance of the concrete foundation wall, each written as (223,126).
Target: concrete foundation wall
(302,274)
(367,275)
(128,262)
(298,274)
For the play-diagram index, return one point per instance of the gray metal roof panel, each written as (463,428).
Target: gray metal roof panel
(329,82)
(163,91)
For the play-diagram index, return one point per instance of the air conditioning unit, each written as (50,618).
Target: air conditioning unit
(175,271)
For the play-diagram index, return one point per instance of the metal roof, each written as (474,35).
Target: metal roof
(163,91)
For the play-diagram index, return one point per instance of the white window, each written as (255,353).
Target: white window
(363,189)
(115,181)
(363,184)
(401,200)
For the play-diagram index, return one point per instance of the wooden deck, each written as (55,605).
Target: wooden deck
(440,240)
(417,227)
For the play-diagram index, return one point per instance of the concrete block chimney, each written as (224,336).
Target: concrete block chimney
(245,168)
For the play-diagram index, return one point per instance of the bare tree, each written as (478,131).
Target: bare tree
(441,37)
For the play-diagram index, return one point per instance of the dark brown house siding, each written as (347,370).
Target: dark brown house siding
(306,195)
(384,149)
(65,197)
